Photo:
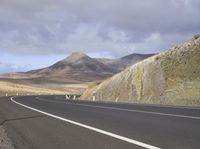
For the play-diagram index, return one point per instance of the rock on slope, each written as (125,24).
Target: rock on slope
(172,77)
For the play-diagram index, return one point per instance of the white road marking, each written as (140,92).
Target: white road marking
(144,145)
(122,109)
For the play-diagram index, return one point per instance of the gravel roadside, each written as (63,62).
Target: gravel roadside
(5,142)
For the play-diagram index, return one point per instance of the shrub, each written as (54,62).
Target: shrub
(197,36)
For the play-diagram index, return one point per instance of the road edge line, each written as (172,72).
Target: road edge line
(135,142)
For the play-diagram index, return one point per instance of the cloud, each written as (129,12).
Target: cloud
(119,27)
(10,67)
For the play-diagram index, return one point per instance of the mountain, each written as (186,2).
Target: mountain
(171,77)
(78,67)
(75,68)
(75,63)
(126,61)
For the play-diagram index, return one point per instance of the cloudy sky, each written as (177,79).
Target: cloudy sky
(37,33)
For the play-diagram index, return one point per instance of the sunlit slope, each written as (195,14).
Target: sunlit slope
(172,77)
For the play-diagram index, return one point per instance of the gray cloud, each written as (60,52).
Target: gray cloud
(107,26)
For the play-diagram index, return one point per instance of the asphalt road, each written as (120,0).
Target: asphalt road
(49,122)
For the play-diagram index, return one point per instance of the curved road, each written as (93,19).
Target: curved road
(49,122)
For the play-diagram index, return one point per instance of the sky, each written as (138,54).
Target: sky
(37,33)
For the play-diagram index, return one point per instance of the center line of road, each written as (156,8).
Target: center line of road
(135,142)
(121,109)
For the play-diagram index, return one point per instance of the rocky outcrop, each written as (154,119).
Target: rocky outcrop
(171,77)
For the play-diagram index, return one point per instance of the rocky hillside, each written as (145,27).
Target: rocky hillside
(171,77)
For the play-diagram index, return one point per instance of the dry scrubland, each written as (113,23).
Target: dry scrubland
(46,89)
(172,77)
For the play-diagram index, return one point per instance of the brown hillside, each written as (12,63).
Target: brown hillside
(172,77)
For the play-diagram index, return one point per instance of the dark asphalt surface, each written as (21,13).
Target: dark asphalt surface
(32,130)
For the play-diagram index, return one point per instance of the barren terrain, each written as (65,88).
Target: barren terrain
(13,89)
(171,77)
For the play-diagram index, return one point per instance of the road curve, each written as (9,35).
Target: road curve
(52,122)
